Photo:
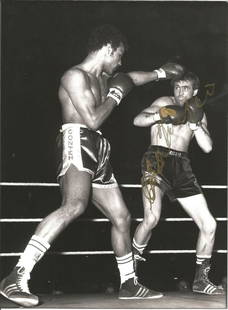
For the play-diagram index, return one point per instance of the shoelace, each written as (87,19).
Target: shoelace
(139,258)
(205,273)
(140,285)
(136,281)
(22,280)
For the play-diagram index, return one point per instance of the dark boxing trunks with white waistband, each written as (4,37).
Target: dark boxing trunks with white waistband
(88,151)
(171,169)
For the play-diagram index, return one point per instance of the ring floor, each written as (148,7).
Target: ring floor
(170,300)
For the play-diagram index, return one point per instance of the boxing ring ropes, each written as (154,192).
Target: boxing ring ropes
(179,219)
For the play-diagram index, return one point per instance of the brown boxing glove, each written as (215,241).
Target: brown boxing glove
(194,110)
(169,71)
(172,114)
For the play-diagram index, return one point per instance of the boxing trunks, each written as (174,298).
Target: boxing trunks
(88,151)
(171,171)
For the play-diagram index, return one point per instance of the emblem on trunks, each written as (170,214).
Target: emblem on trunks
(151,177)
(70,144)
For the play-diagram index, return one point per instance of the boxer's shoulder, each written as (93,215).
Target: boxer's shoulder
(163,101)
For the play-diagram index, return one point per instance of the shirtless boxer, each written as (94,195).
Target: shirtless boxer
(88,93)
(166,169)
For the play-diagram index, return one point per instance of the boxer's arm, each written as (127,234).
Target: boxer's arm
(202,136)
(150,115)
(142,77)
(167,71)
(77,87)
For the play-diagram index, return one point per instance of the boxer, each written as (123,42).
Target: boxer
(174,121)
(88,93)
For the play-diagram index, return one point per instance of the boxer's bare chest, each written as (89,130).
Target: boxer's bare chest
(176,137)
(99,89)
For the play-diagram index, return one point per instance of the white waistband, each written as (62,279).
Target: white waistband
(70,125)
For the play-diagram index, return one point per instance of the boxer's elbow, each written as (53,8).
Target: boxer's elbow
(138,121)
(92,123)
(207,147)
(204,141)
(93,127)
(142,121)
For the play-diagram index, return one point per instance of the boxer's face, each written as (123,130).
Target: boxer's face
(183,90)
(113,59)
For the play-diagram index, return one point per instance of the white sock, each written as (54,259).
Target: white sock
(201,258)
(138,247)
(126,267)
(33,252)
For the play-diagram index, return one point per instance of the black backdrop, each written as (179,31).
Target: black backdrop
(41,39)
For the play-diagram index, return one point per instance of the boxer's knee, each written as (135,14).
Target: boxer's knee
(123,221)
(208,227)
(72,209)
(150,221)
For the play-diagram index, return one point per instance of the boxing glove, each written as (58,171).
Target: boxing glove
(169,71)
(172,114)
(119,86)
(194,110)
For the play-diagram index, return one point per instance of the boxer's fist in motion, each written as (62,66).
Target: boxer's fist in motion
(169,71)
(194,112)
(172,114)
(119,86)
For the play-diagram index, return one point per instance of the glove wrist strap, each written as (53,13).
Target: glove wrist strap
(194,126)
(160,73)
(116,94)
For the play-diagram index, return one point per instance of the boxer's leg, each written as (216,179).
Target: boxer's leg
(152,212)
(75,188)
(196,207)
(111,203)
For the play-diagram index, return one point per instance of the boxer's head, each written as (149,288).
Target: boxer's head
(109,42)
(190,77)
(104,35)
(185,86)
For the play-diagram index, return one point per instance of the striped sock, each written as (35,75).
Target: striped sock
(139,248)
(126,267)
(201,258)
(33,252)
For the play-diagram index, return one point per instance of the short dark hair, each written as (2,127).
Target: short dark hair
(187,76)
(103,35)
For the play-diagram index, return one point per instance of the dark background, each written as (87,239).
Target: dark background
(42,39)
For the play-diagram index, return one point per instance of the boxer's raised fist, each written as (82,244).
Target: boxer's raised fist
(119,86)
(194,110)
(169,71)
(172,114)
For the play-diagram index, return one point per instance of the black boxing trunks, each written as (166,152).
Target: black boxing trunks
(88,151)
(171,171)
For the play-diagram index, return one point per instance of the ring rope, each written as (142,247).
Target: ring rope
(168,219)
(43,184)
(121,185)
(111,252)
